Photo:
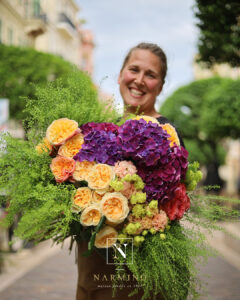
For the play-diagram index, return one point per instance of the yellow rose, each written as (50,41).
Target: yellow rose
(82,170)
(82,198)
(61,130)
(44,146)
(115,207)
(72,146)
(173,134)
(91,215)
(106,237)
(100,176)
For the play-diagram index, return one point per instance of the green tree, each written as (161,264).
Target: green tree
(205,112)
(23,68)
(219,24)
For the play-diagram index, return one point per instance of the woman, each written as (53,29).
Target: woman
(140,80)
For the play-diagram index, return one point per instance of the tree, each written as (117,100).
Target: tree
(205,112)
(23,68)
(219,24)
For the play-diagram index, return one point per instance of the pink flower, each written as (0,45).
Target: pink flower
(122,168)
(128,189)
(160,220)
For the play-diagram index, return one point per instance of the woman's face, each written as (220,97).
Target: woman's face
(140,80)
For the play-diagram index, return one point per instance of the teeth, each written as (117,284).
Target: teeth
(136,92)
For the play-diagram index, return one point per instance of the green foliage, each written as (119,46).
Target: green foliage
(171,259)
(21,69)
(75,98)
(221,111)
(26,179)
(30,187)
(193,176)
(218,21)
(205,111)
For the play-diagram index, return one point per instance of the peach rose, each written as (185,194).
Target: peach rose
(100,176)
(72,146)
(115,207)
(61,130)
(62,168)
(82,197)
(91,215)
(82,170)
(106,237)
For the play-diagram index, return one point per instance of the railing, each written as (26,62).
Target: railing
(65,19)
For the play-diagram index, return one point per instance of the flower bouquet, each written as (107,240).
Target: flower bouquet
(129,183)
(81,177)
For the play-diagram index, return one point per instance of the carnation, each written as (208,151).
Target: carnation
(160,220)
(123,168)
(128,189)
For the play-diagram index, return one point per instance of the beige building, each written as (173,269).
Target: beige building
(46,25)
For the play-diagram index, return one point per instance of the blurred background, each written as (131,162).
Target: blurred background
(40,41)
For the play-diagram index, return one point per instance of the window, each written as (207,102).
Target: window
(10,36)
(36,8)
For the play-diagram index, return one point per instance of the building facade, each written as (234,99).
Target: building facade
(48,26)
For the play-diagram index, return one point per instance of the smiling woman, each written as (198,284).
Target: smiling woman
(140,81)
(141,78)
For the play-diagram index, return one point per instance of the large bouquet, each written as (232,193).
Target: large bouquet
(129,182)
(132,176)
(81,177)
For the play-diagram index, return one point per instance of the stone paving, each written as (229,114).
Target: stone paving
(56,278)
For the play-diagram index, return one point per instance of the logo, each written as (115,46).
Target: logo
(121,250)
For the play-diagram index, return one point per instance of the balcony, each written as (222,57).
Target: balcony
(66,26)
(36,19)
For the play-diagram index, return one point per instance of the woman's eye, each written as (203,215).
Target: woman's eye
(151,75)
(133,69)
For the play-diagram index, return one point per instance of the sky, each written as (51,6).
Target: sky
(118,25)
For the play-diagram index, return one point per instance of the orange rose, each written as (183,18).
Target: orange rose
(173,134)
(62,168)
(72,146)
(61,130)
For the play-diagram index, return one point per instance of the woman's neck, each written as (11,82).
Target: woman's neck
(136,111)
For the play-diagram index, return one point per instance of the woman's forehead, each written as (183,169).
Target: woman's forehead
(145,59)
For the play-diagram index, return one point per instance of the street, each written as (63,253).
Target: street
(56,278)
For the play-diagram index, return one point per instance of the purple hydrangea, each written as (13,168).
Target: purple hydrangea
(144,143)
(88,127)
(162,180)
(100,146)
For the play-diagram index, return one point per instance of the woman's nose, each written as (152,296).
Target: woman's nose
(139,78)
